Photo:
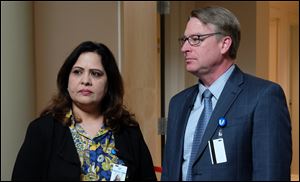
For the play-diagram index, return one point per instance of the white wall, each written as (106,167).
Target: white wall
(17,80)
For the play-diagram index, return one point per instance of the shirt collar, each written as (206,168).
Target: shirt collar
(78,128)
(217,87)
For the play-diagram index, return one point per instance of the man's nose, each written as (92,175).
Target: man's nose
(185,47)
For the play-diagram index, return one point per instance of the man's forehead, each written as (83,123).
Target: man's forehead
(195,26)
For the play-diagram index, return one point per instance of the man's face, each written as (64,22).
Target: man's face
(201,59)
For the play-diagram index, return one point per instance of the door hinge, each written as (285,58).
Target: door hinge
(163,7)
(162,126)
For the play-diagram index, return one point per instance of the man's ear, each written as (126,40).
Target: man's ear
(225,44)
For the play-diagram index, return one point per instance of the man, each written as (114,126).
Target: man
(244,132)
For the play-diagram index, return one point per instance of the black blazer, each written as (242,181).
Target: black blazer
(49,153)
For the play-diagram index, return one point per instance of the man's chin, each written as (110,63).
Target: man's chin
(191,70)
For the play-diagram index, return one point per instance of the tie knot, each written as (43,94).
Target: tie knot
(207,94)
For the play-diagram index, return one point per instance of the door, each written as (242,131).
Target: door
(140,68)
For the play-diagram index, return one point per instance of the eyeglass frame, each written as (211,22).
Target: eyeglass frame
(183,39)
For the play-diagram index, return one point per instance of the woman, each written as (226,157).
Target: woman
(86,133)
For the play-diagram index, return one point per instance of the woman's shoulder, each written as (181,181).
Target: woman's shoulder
(44,123)
(40,128)
(41,120)
(129,138)
(44,126)
(134,128)
(131,131)
(46,120)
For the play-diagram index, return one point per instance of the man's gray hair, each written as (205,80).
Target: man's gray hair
(224,21)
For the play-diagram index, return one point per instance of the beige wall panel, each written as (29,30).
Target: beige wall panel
(295,98)
(262,40)
(273,48)
(141,69)
(17,80)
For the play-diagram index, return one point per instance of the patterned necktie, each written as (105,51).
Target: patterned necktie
(203,120)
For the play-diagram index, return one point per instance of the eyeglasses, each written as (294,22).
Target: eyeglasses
(195,40)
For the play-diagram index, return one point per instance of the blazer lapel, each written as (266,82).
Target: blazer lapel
(229,94)
(67,150)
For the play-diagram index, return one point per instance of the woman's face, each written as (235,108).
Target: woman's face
(87,80)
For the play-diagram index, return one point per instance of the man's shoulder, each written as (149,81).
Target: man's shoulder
(253,80)
(258,82)
(186,92)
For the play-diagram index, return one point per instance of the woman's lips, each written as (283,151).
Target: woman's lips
(85,92)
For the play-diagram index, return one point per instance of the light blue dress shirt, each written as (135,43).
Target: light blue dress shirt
(216,89)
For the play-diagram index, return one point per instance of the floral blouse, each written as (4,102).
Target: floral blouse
(97,155)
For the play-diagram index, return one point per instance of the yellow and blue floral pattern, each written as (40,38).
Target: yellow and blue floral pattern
(97,155)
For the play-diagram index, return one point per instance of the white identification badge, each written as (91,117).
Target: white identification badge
(118,172)
(217,151)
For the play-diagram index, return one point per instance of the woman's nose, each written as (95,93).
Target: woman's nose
(86,80)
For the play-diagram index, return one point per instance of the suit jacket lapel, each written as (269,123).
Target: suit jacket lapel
(188,106)
(227,97)
(180,131)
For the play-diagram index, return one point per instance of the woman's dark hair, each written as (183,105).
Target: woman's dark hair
(114,112)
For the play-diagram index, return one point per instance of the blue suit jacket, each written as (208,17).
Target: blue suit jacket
(257,137)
